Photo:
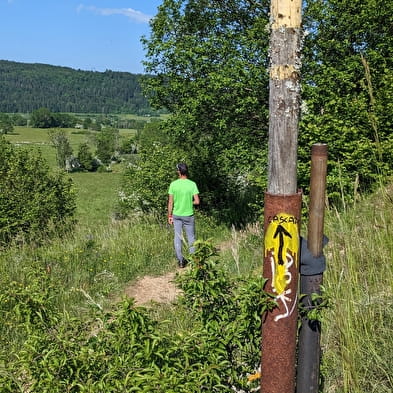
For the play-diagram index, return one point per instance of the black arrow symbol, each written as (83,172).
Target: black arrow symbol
(281,231)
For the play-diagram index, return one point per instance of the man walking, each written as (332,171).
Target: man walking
(183,194)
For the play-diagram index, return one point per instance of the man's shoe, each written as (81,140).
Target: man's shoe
(183,263)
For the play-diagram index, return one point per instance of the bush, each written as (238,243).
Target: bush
(6,126)
(44,118)
(146,182)
(62,145)
(107,143)
(34,203)
(126,350)
(86,160)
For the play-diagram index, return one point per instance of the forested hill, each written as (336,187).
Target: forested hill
(26,87)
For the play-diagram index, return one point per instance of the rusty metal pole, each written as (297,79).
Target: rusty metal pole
(281,265)
(309,351)
(282,201)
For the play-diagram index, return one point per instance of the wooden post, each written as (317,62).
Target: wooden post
(282,200)
(284,98)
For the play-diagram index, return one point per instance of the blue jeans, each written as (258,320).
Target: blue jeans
(188,223)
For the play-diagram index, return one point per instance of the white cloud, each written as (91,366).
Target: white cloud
(134,15)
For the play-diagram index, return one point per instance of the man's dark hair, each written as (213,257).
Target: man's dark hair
(182,168)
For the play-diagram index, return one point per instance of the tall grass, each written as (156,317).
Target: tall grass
(357,331)
(96,196)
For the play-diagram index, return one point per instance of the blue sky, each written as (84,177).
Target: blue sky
(93,35)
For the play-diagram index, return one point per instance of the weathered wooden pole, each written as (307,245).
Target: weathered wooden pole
(282,200)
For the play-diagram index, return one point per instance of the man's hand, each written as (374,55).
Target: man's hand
(170,209)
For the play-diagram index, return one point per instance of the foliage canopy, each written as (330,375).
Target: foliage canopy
(347,91)
(210,62)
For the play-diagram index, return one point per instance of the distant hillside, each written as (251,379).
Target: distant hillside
(27,87)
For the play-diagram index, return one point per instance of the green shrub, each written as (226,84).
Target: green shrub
(230,310)
(62,145)
(85,157)
(34,202)
(107,144)
(6,125)
(125,350)
(26,303)
(146,181)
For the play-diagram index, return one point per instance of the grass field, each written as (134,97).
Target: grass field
(38,138)
(96,197)
(96,192)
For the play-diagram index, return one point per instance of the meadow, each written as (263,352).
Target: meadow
(39,138)
(92,265)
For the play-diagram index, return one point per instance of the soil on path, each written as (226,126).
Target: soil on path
(149,289)
(160,289)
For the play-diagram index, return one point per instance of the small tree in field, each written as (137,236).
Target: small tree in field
(42,118)
(85,158)
(5,124)
(63,148)
(107,141)
(87,123)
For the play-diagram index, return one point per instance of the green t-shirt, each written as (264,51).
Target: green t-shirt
(183,191)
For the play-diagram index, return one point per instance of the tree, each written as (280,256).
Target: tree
(18,120)
(347,92)
(146,181)
(85,158)
(6,125)
(87,123)
(60,141)
(34,203)
(96,126)
(107,143)
(63,120)
(208,65)
(42,118)
(209,61)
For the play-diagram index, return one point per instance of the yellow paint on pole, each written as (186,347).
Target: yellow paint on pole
(281,72)
(282,244)
(286,13)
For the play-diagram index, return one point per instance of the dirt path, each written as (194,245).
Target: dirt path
(149,289)
(161,289)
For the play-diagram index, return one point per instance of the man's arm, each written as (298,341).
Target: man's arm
(195,200)
(170,209)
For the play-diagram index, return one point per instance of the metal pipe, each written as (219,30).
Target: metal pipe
(309,351)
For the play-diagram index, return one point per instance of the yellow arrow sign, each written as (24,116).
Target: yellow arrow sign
(282,242)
